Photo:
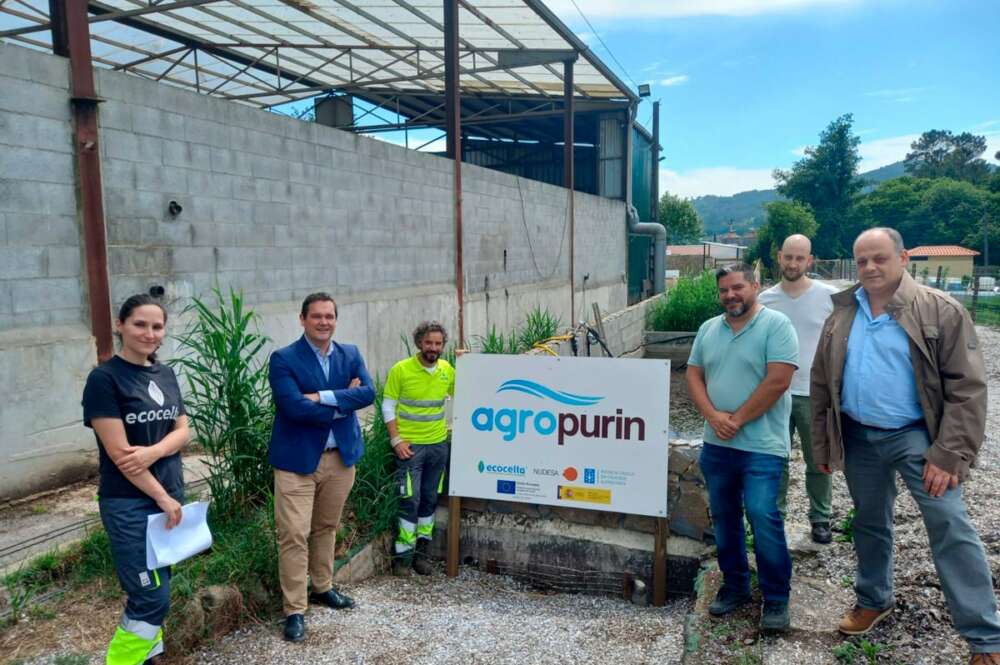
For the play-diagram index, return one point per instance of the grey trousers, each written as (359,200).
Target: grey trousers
(873,457)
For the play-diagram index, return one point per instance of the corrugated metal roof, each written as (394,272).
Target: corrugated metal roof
(941,250)
(268,52)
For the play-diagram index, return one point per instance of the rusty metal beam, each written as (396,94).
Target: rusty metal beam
(72,16)
(453,114)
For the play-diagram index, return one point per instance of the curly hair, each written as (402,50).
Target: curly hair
(428,327)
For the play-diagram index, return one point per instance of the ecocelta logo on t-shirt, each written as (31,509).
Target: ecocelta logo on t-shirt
(153,414)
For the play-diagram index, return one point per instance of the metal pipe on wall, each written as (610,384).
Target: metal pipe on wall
(569,178)
(453,115)
(654,229)
(655,171)
(71,37)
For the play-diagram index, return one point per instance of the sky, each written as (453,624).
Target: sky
(746,85)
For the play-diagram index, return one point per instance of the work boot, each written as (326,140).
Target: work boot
(421,562)
(728,600)
(774,616)
(821,533)
(859,620)
(985,659)
(402,564)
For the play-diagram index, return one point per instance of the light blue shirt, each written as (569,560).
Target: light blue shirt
(879,388)
(735,364)
(326,397)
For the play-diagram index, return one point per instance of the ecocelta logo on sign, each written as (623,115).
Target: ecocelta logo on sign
(501,469)
(566,423)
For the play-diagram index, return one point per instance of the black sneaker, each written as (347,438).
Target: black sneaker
(774,616)
(728,600)
(821,533)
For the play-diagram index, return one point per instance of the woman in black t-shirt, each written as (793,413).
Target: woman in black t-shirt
(133,403)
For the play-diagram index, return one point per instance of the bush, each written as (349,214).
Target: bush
(685,307)
(228,399)
(540,325)
(373,501)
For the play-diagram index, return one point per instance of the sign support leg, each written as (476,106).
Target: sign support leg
(659,562)
(454,524)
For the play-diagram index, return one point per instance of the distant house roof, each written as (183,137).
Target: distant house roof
(685,250)
(942,250)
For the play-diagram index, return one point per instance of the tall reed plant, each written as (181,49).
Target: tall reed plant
(228,398)
(373,501)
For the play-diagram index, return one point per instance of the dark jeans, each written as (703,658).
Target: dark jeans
(741,481)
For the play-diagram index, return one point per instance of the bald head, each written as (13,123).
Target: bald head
(798,244)
(881,261)
(882,231)
(795,259)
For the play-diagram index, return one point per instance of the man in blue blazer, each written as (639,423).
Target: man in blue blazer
(317,385)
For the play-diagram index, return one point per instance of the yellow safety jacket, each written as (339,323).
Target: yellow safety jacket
(420,395)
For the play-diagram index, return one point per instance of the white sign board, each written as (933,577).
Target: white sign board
(572,432)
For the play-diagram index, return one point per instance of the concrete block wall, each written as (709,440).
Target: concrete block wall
(39,233)
(272,206)
(45,345)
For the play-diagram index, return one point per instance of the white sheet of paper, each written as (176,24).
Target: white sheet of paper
(165,547)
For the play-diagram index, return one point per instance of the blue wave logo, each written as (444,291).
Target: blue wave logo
(538,390)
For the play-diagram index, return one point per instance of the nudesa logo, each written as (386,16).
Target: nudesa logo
(512,422)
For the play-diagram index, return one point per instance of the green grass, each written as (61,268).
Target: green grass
(691,302)
(846,528)
(848,653)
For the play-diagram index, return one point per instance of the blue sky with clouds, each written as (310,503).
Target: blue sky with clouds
(746,84)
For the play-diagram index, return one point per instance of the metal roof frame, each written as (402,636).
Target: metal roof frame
(269,52)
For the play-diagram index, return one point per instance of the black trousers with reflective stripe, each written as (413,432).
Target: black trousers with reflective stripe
(418,480)
(148,590)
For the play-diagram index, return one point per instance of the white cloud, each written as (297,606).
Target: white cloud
(882,152)
(717,180)
(676,8)
(674,80)
(992,147)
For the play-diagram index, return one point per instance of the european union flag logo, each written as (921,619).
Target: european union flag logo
(506,487)
(589,476)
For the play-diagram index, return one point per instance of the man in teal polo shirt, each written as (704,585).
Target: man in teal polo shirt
(738,375)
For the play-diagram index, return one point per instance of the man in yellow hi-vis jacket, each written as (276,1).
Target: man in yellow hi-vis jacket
(413,409)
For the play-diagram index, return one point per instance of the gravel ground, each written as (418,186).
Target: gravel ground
(920,631)
(474,618)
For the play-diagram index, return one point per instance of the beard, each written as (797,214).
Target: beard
(430,356)
(737,308)
(792,275)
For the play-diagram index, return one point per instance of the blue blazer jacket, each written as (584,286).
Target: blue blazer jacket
(301,426)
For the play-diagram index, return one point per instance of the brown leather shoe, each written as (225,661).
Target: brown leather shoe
(860,620)
(985,659)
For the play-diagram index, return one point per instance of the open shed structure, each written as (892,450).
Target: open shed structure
(512,88)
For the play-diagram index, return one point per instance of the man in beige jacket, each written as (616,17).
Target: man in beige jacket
(898,387)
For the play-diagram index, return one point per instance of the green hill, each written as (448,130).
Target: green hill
(746,209)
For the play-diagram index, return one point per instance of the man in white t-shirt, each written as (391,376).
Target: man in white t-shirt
(807,303)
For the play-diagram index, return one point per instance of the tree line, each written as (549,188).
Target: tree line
(949,195)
